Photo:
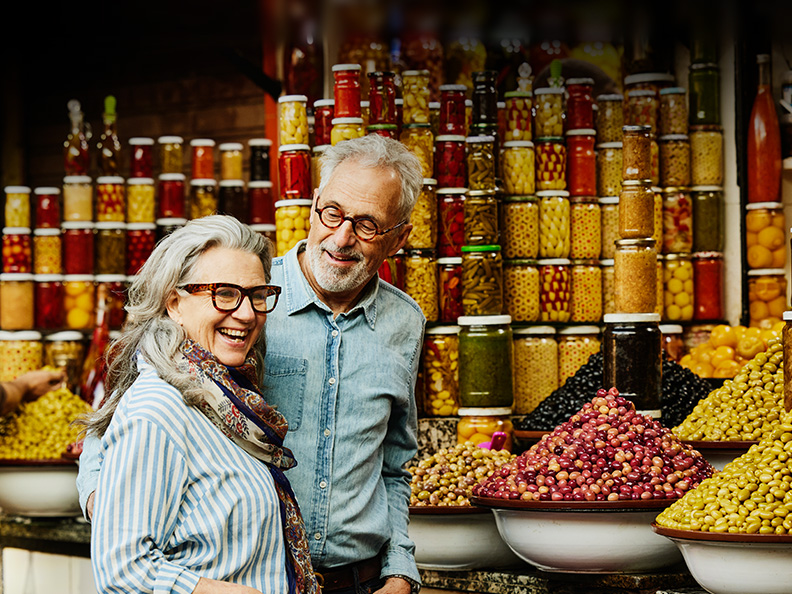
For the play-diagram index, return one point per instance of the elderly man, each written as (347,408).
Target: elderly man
(342,359)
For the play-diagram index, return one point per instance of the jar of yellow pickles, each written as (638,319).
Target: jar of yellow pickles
(767,296)
(424,218)
(20,352)
(140,200)
(292,119)
(17,206)
(517,167)
(292,222)
(78,301)
(16,301)
(535,366)
(419,141)
(441,371)
(231,160)
(554,223)
(346,129)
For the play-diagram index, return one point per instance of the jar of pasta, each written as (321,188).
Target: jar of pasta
(586,291)
(609,208)
(77,198)
(48,305)
(451,221)
(549,113)
(110,248)
(642,108)
(765,240)
(202,162)
(65,350)
(419,141)
(551,164)
(203,197)
(519,228)
(485,361)
(481,162)
(479,425)
(17,206)
(294,167)
(346,90)
(424,218)
(636,153)
(575,345)
(674,160)
(706,155)
(609,168)
(231,159)
(708,286)
(232,199)
(708,218)
(636,210)
(581,162)
(673,111)
(441,371)
(171,153)
(292,223)
(482,280)
(140,200)
(521,289)
(610,117)
(78,247)
(420,281)
(518,115)
(292,120)
(47,207)
(171,196)
(677,221)
(585,232)
(608,286)
(554,214)
(20,352)
(635,279)
(555,290)
(139,243)
(78,301)
(142,158)
(449,281)
(767,296)
(16,301)
(450,161)
(415,92)
(481,218)
(47,251)
(535,366)
(517,167)
(260,158)
(346,129)
(678,287)
(17,250)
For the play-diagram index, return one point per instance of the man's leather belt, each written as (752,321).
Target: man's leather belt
(340,578)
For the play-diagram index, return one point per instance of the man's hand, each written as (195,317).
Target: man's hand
(89,506)
(395,585)
(209,586)
(39,382)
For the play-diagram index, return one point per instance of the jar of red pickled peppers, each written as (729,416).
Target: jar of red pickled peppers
(708,286)
(581,162)
(392,270)
(346,90)
(171,196)
(202,158)
(323,117)
(116,297)
(450,221)
(47,207)
(142,162)
(450,288)
(78,247)
(17,250)
(260,203)
(48,296)
(580,112)
(452,110)
(382,97)
(140,240)
(450,159)
(294,167)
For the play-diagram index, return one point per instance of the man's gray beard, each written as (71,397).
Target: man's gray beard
(335,280)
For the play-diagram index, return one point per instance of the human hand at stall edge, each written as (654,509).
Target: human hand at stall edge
(27,387)
(210,586)
(395,585)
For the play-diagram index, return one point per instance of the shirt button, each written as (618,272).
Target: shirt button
(327,432)
(318,536)
(334,333)
(331,381)
(323,484)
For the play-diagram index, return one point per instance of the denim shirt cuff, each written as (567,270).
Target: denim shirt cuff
(397,561)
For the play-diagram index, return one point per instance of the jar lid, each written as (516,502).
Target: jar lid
(767,272)
(549,91)
(78,278)
(337,121)
(610,145)
(677,256)
(22,335)
(636,129)
(44,191)
(451,261)
(201,181)
(521,262)
(479,139)
(442,191)
(231,146)
(46,231)
(518,144)
(673,137)
(398,101)
(452,87)
(626,318)
(140,141)
(712,255)
(484,412)
(110,225)
(419,125)
(706,188)
(638,182)
(232,183)
(671,329)
(644,242)
(293,147)
(480,248)
(429,181)
(172,177)
(673,189)
(342,67)
(263,227)
(450,138)
(140,181)
(609,97)
(320,148)
(501,104)
(709,65)
(468,103)
(706,128)
(110,278)
(517,94)
(566,331)
(423,72)
(65,336)
(580,81)
(47,278)
(585,262)
(443,330)
(16,276)
(260,183)
(673,91)
(170,140)
(534,330)
(171,222)
(421,253)
(77,179)
(16,230)
(554,262)
(518,198)
(78,225)
(551,193)
(643,77)
(141,226)
(291,98)
(764,205)
(480,193)
(17,190)
(364,104)
(787,315)
(498,320)
(132,278)
(583,200)
(202,142)
(549,139)
(640,93)
(582,132)
(294,202)
(607,262)
(260,141)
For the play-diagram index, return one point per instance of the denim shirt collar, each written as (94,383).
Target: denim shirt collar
(299,294)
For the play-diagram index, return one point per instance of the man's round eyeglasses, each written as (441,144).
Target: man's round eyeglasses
(364,228)
(227,297)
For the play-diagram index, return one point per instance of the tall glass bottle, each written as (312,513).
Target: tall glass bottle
(94,365)
(75,148)
(108,147)
(764,141)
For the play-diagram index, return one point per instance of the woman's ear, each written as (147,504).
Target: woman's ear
(172,306)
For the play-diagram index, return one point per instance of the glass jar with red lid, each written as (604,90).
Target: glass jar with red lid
(708,286)
(294,168)
(579,108)
(452,110)
(48,296)
(581,162)
(78,247)
(140,241)
(47,207)
(171,196)
(324,112)
(142,162)
(202,158)
(450,221)
(450,288)
(346,90)
(116,297)
(382,97)
(450,160)
(261,206)
(17,250)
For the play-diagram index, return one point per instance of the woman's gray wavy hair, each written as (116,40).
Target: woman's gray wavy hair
(374,150)
(149,330)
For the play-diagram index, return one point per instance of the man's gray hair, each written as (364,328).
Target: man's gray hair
(378,151)
(149,330)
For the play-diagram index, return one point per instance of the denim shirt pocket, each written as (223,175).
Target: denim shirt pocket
(284,386)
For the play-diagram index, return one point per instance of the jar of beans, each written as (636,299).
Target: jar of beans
(419,141)
(554,224)
(518,115)
(424,218)
(292,223)
(674,160)
(481,218)
(585,228)
(450,161)
(535,366)
(555,290)
(767,296)
(708,286)
(420,280)
(451,221)
(551,164)
(485,362)
(16,301)
(586,291)
(519,227)
(609,208)
(635,281)
(677,221)
(673,111)
(517,167)
(610,117)
(765,228)
(575,345)
(678,287)
(521,289)
(449,272)
(482,280)
(481,162)
(20,352)
(708,217)
(441,371)
(706,155)
(581,162)
(140,200)
(549,115)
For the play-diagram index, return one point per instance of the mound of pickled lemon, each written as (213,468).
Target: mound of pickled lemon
(728,349)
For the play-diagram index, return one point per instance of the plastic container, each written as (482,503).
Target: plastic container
(521,289)
(140,241)
(535,367)
(441,371)
(142,157)
(586,291)
(551,166)
(678,287)
(203,197)
(554,224)
(635,289)
(140,200)
(708,218)
(292,120)
(47,251)
(585,222)
(420,281)
(482,280)
(16,301)
(231,160)
(20,352)
(575,345)
(555,290)
(518,167)
(294,167)
(481,218)
(171,153)
(451,221)
(171,202)
(419,141)
(449,281)
(519,227)
(485,362)
(77,198)
(708,286)
(478,425)
(292,223)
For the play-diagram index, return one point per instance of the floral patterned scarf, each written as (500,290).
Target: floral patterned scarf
(233,403)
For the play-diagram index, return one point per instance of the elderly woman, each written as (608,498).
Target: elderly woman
(183,504)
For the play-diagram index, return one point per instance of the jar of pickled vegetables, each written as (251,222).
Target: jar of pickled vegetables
(704,84)
(575,345)
(609,209)
(609,168)
(636,210)
(485,361)
(346,90)
(767,296)
(65,350)
(142,158)
(171,196)
(677,221)
(521,289)
(232,199)
(385,130)
(382,97)
(708,286)
(16,301)
(449,281)
(420,281)
(231,159)
(636,153)
(346,129)
(167,225)
(171,152)
(708,216)
(518,115)
(585,231)
(481,218)
(551,164)
(78,247)
(678,287)
(441,371)
(451,221)
(78,301)
(260,158)
(478,425)
(765,228)
(554,224)
(292,222)
(110,201)
(549,113)
(519,227)
(419,141)
(673,118)
(424,218)
(47,208)
(20,352)
(555,290)
(517,167)
(316,164)
(110,248)
(140,200)
(324,112)
(294,167)
(202,161)
(292,121)
(642,108)
(17,250)
(77,198)
(608,286)
(673,345)
(706,155)
(481,162)
(47,251)
(116,297)
(203,197)
(450,161)
(17,206)
(674,160)
(48,301)
(260,203)
(415,92)
(581,162)
(139,243)
(635,279)
(482,280)
(452,119)
(610,117)
(535,366)
(580,112)
(585,302)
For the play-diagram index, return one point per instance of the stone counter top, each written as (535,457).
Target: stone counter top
(62,536)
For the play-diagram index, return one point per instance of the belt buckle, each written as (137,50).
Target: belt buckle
(319,579)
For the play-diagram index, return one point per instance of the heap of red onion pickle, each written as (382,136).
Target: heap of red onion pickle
(604,452)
